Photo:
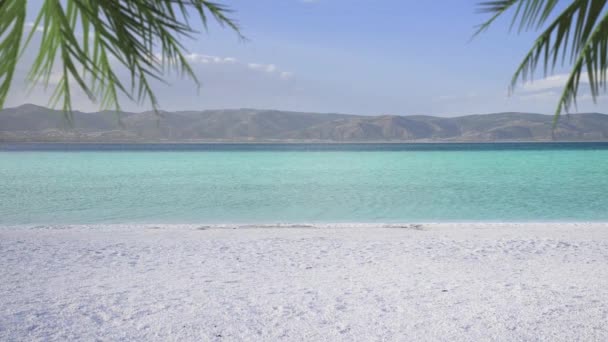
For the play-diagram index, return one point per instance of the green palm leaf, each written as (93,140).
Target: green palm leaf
(12,22)
(90,39)
(578,35)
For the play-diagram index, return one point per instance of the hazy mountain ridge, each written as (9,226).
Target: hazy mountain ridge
(39,124)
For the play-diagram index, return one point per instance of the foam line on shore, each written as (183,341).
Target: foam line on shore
(339,225)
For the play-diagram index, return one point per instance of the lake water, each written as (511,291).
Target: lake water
(282,183)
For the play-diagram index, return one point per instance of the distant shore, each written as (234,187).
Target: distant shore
(340,282)
(303,146)
(35,123)
(305,142)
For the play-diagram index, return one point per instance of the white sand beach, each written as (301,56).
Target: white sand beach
(434,282)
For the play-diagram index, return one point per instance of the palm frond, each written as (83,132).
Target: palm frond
(531,13)
(91,39)
(496,8)
(593,58)
(575,36)
(12,22)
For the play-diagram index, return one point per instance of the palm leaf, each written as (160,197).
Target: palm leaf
(12,22)
(90,39)
(576,36)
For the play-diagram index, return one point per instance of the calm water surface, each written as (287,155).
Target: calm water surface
(256,183)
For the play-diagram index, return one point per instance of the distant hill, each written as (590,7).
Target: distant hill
(39,124)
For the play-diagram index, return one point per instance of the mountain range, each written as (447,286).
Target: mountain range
(31,123)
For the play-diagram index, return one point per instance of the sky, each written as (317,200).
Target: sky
(400,57)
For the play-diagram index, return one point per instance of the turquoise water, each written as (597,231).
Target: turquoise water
(262,184)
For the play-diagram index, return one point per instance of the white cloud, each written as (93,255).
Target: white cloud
(285,75)
(540,96)
(197,58)
(270,68)
(206,59)
(549,89)
(551,82)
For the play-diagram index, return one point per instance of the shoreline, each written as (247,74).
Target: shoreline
(421,225)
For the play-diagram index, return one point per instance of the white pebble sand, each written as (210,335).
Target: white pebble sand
(435,282)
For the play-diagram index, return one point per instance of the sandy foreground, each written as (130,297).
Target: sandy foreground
(466,282)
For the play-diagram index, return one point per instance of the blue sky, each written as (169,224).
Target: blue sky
(354,56)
